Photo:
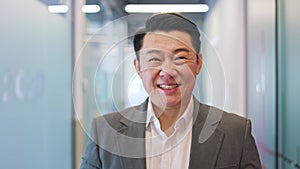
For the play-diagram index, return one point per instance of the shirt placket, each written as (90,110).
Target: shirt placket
(166,156)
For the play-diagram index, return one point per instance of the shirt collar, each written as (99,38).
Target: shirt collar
(150,113)
(185,117)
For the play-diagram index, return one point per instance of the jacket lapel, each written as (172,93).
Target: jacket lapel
(206,137)
(131,141)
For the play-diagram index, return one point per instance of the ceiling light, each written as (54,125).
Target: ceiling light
(58,8)
(90,8)
(153,8)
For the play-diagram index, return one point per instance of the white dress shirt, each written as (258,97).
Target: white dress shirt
(171,152)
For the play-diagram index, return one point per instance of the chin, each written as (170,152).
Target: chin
(173,103)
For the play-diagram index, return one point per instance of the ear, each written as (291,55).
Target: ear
(199,63)
(137,67)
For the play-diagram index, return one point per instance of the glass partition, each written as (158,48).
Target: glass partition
(261,77)
(35,87)
(288,83)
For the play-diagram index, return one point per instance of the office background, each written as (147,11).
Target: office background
(60,67)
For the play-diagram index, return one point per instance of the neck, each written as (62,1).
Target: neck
(168,116)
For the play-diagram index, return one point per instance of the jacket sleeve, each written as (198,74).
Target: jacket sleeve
(250,158)
(91,159)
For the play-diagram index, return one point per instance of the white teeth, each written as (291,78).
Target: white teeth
(167,86)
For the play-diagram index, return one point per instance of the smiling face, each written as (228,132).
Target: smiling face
(168,67)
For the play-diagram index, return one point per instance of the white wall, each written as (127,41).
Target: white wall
(225,29)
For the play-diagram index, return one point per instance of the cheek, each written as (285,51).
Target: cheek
(148,78)
(188,71)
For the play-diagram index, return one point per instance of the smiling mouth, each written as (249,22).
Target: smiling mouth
(168,87)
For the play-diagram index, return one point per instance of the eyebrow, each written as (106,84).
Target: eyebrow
(181,50)
(161,52)
(154,51)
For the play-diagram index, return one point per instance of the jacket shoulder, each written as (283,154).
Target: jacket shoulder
(228,122)
(233,120)
(134,114)
(114,117)
(234,126)
(225,118)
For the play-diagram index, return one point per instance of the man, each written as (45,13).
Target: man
(171,129)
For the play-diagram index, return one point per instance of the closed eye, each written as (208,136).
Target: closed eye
(179,60)
(153,59)
(180,57)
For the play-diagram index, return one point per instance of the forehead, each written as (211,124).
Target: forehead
(169,41)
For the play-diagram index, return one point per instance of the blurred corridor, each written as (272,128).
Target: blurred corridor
(64,62)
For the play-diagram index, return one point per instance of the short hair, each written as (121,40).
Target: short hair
(167,22)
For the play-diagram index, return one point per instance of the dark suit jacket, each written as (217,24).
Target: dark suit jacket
(219,140)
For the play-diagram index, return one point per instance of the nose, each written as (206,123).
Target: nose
(168,71)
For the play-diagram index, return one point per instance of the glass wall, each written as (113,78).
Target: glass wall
(272,58)
(261,77)
(288,83)
(35,86)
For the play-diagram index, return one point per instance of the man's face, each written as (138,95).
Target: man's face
(168,67)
